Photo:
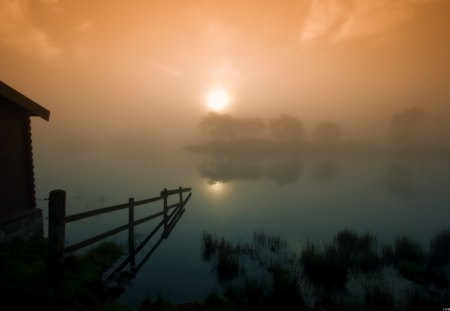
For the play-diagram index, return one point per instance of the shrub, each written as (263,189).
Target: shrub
(387,255)
(412,271)
(378,298)
(406,249)
(272,242)
(285,293)
(324,268)
(358,251)
(439,250)
(418,300)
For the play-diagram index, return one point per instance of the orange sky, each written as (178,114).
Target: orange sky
(121,67)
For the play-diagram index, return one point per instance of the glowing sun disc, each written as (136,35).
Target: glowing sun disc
(217,99)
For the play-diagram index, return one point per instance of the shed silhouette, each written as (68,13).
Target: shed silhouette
(17,188)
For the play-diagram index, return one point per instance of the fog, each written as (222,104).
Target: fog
(295,118)
(123,81)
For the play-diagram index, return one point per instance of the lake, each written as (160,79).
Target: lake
(297,198)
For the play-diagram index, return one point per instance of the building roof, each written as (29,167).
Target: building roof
(32,107)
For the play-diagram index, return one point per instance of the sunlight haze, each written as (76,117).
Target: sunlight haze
(297,118)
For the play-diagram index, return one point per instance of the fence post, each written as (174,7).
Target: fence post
(56,227)
(131,233)
(166,216)
(181,195)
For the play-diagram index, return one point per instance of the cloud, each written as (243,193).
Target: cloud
(50,2)
(84,26)
(337,21)
(225,71)
(40,40)
(19,33)
(167,70)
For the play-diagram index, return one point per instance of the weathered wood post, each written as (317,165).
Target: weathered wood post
(56,227)
(166,216)
(181,196)
(131,233)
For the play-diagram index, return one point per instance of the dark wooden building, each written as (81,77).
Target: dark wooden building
(17,190)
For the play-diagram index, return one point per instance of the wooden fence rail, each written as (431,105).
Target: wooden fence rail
(58,220)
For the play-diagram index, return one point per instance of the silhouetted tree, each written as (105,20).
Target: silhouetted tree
(328,132)
(223,126)
(287,128)
(406,126)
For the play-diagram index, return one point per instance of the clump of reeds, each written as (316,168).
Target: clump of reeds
(272,242)
(439,254)
(378,297)
(359,251)
(324,267)
(420,300)
(406,249)
(226,256)
(285,292)
(209,246)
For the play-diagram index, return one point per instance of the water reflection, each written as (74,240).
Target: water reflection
(217,188)
(223,170)
(253,149)
(219,169)
(325,170)
(284,171)
(400,181)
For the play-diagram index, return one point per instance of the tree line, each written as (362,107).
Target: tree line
(284,128)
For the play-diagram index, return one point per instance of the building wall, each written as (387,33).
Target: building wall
(16,164)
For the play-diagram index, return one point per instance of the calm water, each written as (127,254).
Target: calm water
(298,199)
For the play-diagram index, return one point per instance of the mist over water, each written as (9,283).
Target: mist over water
(251,173)
(337,116)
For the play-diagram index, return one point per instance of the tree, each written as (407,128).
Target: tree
(287,128)
(406,126)
(328,132)
(223,126)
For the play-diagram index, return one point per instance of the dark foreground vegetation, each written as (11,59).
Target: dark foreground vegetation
(27,282)
(351,272)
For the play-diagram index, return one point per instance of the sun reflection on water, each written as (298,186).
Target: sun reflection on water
(217,187)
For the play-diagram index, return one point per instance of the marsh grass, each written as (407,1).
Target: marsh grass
(359,252)
(285,292)
(419,300)
(209,246)
(224,255)
(324,267)
(406,249)
(251,295)
(272,242)
(26,282)
(378,297)
(227,262)
(323,271)
(104,255)
(439,254)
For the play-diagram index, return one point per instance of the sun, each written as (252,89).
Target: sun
(217,99)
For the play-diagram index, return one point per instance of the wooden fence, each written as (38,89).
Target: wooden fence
(58,219)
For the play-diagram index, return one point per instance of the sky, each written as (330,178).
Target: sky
(138,71)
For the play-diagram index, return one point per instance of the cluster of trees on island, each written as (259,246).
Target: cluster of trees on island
(411,126)
(250,148)
(284,128)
